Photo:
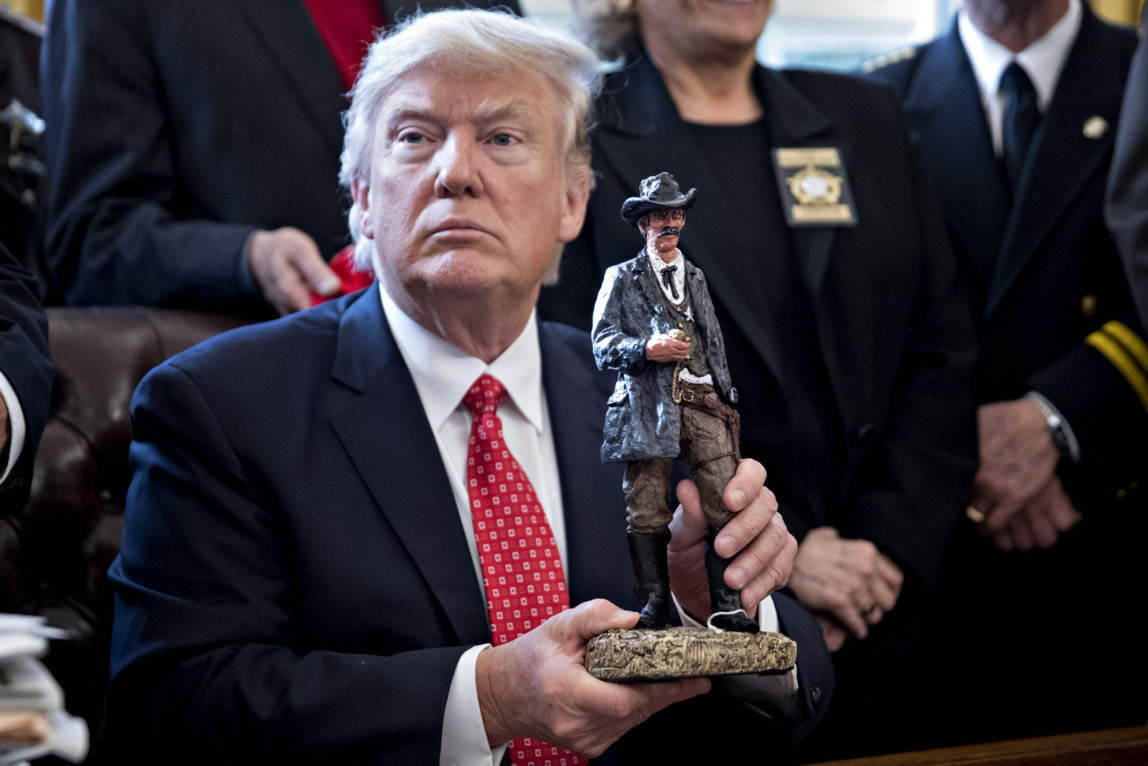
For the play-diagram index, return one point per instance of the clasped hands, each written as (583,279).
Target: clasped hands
(536,685)
(1016,488)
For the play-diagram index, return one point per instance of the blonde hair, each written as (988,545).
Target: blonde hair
(484,41)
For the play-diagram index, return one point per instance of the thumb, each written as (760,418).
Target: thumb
(593,617)
(689,526)
(315,271)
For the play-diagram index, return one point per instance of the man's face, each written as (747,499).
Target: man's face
(662,232)
(467,197)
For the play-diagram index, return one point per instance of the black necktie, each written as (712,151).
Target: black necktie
(1020,120)
(668,278)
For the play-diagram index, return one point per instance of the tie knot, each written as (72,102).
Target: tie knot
(484,395)
(1015,81)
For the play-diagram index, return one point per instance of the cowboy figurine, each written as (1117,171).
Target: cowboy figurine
(654,323)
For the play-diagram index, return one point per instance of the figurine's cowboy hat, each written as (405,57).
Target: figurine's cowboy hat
(654,193)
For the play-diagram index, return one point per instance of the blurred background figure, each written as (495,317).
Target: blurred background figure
(25,381)
(193,152)
(847,330)
(1016,109)
(1127,211)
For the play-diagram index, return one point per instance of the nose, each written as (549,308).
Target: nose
(458,167)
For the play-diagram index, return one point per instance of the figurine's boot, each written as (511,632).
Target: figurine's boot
(648,554)
(726,611)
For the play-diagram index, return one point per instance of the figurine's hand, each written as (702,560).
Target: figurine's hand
(1041,522)
(536,686)
(287,265)
(757,535)
(849,580)
(663,348)
(1017,460)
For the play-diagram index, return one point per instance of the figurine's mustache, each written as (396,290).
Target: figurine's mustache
(669,231)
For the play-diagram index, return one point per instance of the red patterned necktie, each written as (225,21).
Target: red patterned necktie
(521,570)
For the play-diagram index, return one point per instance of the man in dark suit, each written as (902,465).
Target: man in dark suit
(25,380)
(849,341)
(192,149)
(1015,110)
(654,323)
(300,577)
(1127,211)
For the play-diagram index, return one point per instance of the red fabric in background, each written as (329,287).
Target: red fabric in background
(347,28)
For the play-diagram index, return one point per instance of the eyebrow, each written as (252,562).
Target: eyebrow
(485,114)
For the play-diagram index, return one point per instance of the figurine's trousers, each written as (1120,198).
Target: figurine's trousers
(708,442)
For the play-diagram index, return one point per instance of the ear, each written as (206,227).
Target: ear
(573,210)
(361,194)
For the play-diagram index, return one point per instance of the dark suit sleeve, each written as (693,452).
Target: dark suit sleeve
(26,363)
(1127,210)
(615,348)
(211,660)
(913,482)
(111,235)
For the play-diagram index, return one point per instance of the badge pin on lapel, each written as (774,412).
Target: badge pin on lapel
(1095,128)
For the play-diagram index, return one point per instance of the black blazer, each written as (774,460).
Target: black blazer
(26,363)
(1049,284)
(294,582)
(175,129)
(891,322)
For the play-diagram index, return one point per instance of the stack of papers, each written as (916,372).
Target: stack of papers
(32,718)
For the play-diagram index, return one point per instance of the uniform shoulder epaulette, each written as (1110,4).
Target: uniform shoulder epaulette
(891,57)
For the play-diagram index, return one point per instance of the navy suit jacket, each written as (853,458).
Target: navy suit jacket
(1046,273)
(294,583)
(178,127)
(25,361)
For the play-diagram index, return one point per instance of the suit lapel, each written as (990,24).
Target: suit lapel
(285,28)
(388,439)
(591,492)
(1063,157)
(944,107)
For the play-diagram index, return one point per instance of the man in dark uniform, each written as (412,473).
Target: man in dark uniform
(1015,110)
(672,397)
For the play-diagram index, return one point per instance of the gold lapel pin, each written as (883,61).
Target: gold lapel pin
(1095,127)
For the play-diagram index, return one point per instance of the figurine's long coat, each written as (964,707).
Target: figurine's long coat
(642,420)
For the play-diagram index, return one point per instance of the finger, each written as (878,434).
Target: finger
(998,516)
(753,504)
(874,615)
(832,631)
(316,274)
(1003,540)
(764,565)
(890,573)
(590,618)
(1022,533)
(1043,531)
(881,594)
(689,526)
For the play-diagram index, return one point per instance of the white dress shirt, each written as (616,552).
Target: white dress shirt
(1042,61)
(678,275)
(442,375)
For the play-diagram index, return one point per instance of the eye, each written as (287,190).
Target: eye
(411,137)
(502,139)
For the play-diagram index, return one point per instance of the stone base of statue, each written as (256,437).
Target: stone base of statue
(669,653)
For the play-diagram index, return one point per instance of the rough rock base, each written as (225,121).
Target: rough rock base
(659,655)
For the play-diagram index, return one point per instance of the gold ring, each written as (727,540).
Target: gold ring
(866,609)
(975,515)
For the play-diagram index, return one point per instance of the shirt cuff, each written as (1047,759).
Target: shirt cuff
(16,418)
(463,732)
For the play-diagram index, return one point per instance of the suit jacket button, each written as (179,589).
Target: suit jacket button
(816,693)
(1088,305)
(864,434)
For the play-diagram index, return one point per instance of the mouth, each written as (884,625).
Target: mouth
(453,227)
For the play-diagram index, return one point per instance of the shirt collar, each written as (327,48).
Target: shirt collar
(659,265)
(1043,60)
(442,373)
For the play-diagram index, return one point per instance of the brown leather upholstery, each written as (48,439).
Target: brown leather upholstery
(54,554)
